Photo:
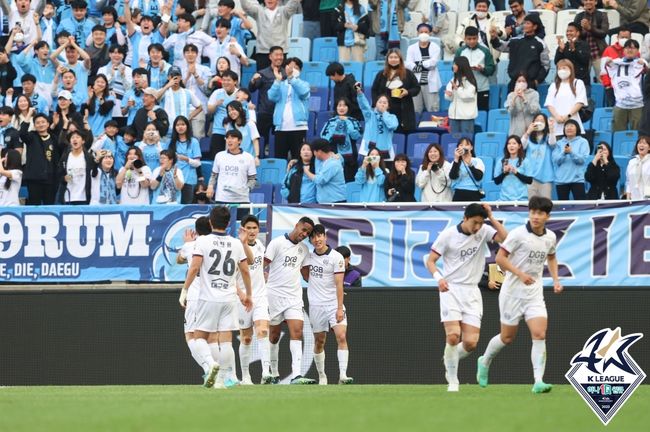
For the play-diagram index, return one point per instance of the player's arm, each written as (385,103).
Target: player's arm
(553,269)
(193,271)
(188,236)
(338,279)
(431,266)
(246,277)
(502,233)
(504,262)
(243,237)
(304,271)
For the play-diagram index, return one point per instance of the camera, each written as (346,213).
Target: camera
(372,159)
(357,85)
(465,151)
(137,164)
(435,166)
(201,196)
(538,126)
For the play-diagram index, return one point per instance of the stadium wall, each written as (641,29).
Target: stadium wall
(135,336)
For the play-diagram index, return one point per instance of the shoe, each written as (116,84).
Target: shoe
(267,379)
(542,387)
(322,381)
(346,380)
(300,380)
(482,373)
(209,378)
(247,381)
(453,386)
(276,380)
(230,382)
(219,386)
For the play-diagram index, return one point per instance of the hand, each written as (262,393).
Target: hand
(597,157)
(557,287)
(391,191)
(458,153)
(448,93)
(277,74)
(305,169)
(567,149)
(403,94)
(519,93)
(232,48)
(256,76)
(340,315)
(551,124)
(191,69)
(526,279)
(251,106)
(67,178)
(182,299)
(488,209)
(494,285)
(560,43)
(189,235)
(71,41)
(10,92)
(55,118)
(248,303)
(209,192)
(243,235)
(478,67)
(365,162)
(61,69)
(586,24)
(291,163)
(90,92)
(36,19)
(508,31)
(493,33)
(152,115)
(613,4)
(443,286)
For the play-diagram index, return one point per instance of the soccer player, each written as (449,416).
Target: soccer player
(217,256)
(462,248)
(259,316)
(522,257)
(325,270)
(285,257)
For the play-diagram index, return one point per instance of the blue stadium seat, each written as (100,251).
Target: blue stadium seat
(600,136)
(311,125)
(206,170)
(370,71)
(271,170)
(488,174)
(314,74)
(296,27)
(326,49)
(489,144)
(247,73)
(602,119)
(22,193)
(399,143)
(299,47)
(277,195)
(495,97)
(355,68)
(321,118)
(262,194)
(598,95)
(270,145)
(417,143)
(444,69)
(449,141)
(498,121)
(371,49)
(502,71)
(319,99)
(353,192)
(503,93)
(542,90)
(624,142)
(622,162)
(204,143)
(482,120)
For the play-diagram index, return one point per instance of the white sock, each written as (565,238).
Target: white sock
(494,346)
(295,346)
(462,352)
(244,360)
(203,351)
(273,352)
(451,363)
(265,355)
(319,359)
(214,349)
(343,362)
(227,360)
(538,358)
(191,344)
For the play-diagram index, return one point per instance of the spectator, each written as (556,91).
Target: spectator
(466,173)
(226,46)
(103,189)
(512,172)
(236,120)
(74,170)
(167,180)
(635,15)
(9,136)
(195,78)
(141,38)
(539,143)
(72,63)
(577,51)
(603,174)
(179,101)
(291,113)
(156,66)
(433,176)
(329,181)
(637,176)
(438,19)
(612,52)
(132,100)
(371,176)
(352,276)
(328,17)
(400,183)
(352,29)
(176,43)
(626,75)
(481,64)
(485,23)
(187,151)
(342,131)
(23,112)
(97,49)
(400,85)
(233,173)
(262,80)
(522,105)
(387,30)
(595,25)
(134,178)
(151,146)
(514,26)
(65,112)
(120,77)
(49,24)
(272,27)
(549,5)
(150,112)
(11,174)
(570,159)
(297,187)
(152,8)
(38,102)
(109,141)
(69,84)
(344,87)
(222,66)
(379,126)
(100,105)
(422,59)
(79,25)
(7,72)
(240,25)
(35,61)
(114,33)
(39,174)
(461,91)
(566,97)
(219,100)
(22,16)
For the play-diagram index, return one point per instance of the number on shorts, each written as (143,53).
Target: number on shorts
(228,267)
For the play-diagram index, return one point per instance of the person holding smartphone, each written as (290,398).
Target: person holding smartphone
(603,174)
(371,176)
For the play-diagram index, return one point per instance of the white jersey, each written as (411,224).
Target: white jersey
(233,171)
(76,187)
(287,258)
(322,286)
(257,272)
(186,252)
(463,256)
(221,256)
(528,252)
(10,197)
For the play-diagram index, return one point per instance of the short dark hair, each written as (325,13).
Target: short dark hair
(475,209)
(110,123)
(306,220)
(320,144)
(227,3)
(231,74)
(110,10)
(575,25)
(246,92)
(70,71)
(202,225)
(170,155)
(41,44)
(78,4)
(157,47)
(234,133)
(344,251)
(99,28)
(219,217)
(223,22)
(521,2)
(7,110)
(118,48)
(39,115)
(250,218)
(187,17)
(334,68)
(275,48)
(477,2)
(471,31)
(139,71)
(187,5)
(190,47)
(28,77)
(319,229)
(631,43)
(540,203)
(128,130)
(294,60)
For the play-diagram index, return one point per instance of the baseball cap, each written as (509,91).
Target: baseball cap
(174,71)
(65,94)
(150,91)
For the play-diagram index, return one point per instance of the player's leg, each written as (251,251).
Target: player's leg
(275,330)
(228,322)
(450,357)
(319,355)
(340,331)
(496,344)
(206,324)
(537,327)
(189,323)
(295,326)
(245,345)
(264,346)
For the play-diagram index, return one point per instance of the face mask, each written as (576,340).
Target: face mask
(621,41)
(521,86)
(424,37)
(481,15)
(563,74)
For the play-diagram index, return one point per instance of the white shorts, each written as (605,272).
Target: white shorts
(462,303)
(323,317)
(189,323)
(260,312)
(513,309)
(283,308)
(216,316)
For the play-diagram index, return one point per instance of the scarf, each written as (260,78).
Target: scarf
(107,193)
(388,23)
(79,32)
(3,129)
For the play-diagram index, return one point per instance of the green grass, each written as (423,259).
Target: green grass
(333,408)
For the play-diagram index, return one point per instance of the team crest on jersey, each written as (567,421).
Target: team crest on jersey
(604,373)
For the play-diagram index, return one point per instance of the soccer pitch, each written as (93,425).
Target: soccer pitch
(314,408)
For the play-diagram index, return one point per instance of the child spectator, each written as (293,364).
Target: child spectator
(539,143)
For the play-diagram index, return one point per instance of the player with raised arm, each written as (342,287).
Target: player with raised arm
(217,256)
(462,248)
(285,257)
(522,257)
(259,315)
(325,270)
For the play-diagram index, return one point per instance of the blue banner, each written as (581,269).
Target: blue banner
(598,245)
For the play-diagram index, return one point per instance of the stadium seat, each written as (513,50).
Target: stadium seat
(321,118)
(444,103)
(444,69)
(262,194)
(598,94)
(204,144)
(299,47)
(270,146)
(271,171)
(314,74)
(353,192)
(482,120)
(311,126)
(355,68)
(296,27)
(417,143)
(502,72)
(319,99)
(371,49)
(564,17)
(550,78)
(613,16)
(636,36)
(495,96)
(498,120)
(622,162)
(399,143)
(449,141)
(489,144)
(206,169)
(370,71)
(602,136)
(602,119)
(624,142)
(548,20)
(542,90)
(277,195)
(326,49)
(247,73)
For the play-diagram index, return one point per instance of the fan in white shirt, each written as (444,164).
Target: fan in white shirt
(235,171)
(11,175)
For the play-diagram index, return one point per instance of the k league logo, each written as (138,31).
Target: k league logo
(604,373)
